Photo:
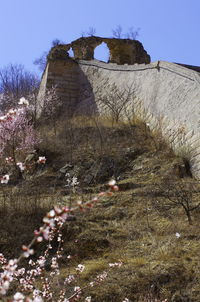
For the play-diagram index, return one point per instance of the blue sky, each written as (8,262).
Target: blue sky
(169,29)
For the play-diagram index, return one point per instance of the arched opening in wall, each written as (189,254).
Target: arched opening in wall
(71,53)
(102,52)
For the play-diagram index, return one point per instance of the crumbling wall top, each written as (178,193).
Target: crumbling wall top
(122,51)
(59,52)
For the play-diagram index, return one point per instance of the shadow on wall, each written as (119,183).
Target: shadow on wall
(72,86)
(86,104)
(102,53)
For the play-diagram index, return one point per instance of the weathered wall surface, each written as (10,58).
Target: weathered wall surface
(121,50)
(64,74)
(166,95)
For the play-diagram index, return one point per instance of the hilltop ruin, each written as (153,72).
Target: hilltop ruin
(122,51)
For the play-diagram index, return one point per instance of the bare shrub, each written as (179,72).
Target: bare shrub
(130,34)
(89,33)
(115,102)
(117,32)
(183,194)
(41,61)
(16,82)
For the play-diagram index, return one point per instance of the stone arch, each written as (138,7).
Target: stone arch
(83,48)
(102,52)
(122,51)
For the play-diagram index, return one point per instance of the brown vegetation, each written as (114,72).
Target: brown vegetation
(138,225)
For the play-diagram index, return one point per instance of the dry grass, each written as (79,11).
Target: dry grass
(135,226)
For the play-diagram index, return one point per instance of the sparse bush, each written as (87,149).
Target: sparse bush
(182,194)
(89,33)
(16,82)
(41,61)
(17,135)
(51,108)
(115,102)
(131,34)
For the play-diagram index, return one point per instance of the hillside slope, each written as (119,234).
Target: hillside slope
(144,225)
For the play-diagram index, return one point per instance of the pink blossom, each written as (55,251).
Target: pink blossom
(27,251)
(9,160)
(4,286)
(118,264)
(28,278)
(17,133)
(77,289)
(2,259)
(69,279)
(102,277)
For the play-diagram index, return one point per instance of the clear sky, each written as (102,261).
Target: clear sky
(169,29)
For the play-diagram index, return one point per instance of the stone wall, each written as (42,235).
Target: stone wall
(165,95)
(65,75)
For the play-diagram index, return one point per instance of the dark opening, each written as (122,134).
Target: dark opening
(187,167)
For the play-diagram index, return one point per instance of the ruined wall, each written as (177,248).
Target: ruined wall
(167,98)
(72,86)
(64,74)
(166,95)
(71,82)
(122,51)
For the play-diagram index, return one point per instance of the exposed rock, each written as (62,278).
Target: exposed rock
(102,170)
(65,168)
(31,157)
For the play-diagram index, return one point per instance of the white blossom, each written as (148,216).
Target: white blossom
(23,101)
(80,268)
(5,179)
(21,166)
(18,297)
(112,182)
